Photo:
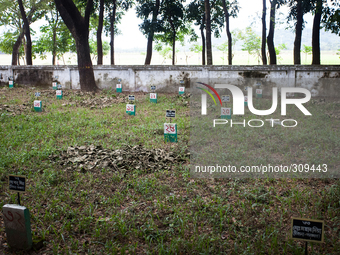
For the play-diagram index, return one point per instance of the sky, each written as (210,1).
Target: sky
(132,38)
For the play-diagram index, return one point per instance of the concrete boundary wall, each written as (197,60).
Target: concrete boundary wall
(321,80)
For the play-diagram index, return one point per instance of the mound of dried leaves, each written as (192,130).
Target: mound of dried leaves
(14,110)
(86,158)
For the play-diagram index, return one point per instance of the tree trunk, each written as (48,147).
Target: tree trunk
(27,34)
(173,48)
(264,32)
(54,46)
(316,34)
(230,44)
(151,34)
(203,45)
(208,32)
(298,33)
(79,28)
(16,49)
(270,38)
(203,39)
(112,33)
(99,33)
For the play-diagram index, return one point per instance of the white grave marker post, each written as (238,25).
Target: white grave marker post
(245,100)
(37,104)
(153,98)
(259,93)
(17,226)
(181,90)
(225,113)
(119,88)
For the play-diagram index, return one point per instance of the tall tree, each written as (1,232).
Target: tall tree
(297,9)
(195,12)
(79,28)
(27,34)
(149,27)
(274,4)
(116,9)
(208,32)
(173,24)
(264,32)
(99,33)
(331,17)
(316,33)
(270,38)
(230,9)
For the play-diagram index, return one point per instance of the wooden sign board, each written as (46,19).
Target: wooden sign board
(17,183)
(170,114)
(307,230)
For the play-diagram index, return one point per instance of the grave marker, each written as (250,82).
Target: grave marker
(10,84)
(259,93)
(170,132)
(153,98)
(37,106)
(245,100)
(17,226)
(59,94)
(181,90)
(131,109)
(119,88)
(225,113)
(54,85)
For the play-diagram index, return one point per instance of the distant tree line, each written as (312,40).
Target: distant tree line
(78,25)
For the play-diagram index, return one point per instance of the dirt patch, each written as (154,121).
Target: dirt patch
(85,158)
(13,110)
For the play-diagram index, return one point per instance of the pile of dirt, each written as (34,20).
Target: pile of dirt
(87,158)
(13,110)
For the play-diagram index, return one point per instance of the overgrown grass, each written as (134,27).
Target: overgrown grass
(164,212)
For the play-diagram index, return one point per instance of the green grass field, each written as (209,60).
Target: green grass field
(81,207)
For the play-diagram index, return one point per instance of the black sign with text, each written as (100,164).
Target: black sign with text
(170,114)
(17,183)
(307,230)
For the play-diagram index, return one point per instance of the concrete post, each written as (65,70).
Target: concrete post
(17,226)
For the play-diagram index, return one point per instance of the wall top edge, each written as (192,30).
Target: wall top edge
(181,67)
